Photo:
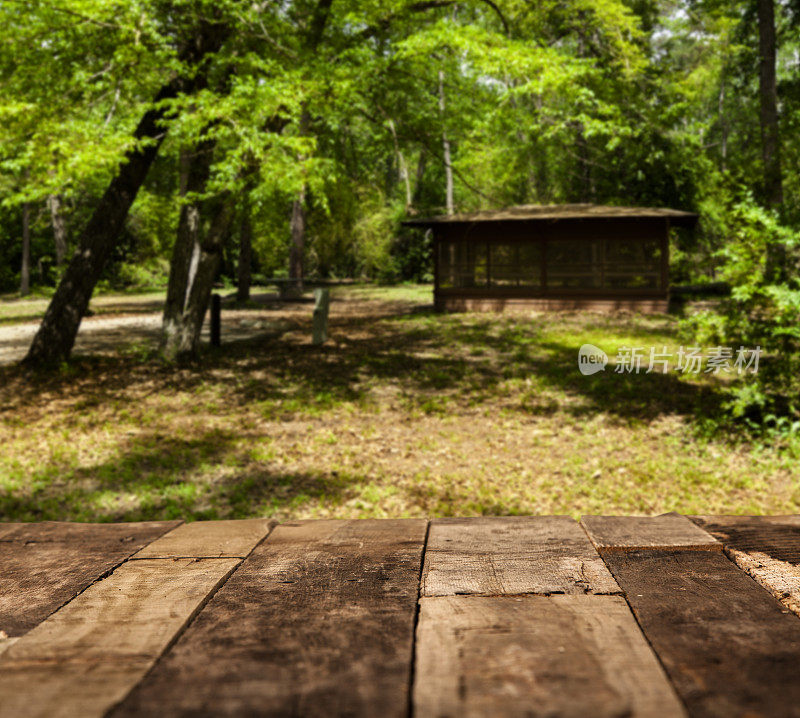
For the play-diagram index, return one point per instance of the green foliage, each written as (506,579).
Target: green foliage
(759,312)
(607,101)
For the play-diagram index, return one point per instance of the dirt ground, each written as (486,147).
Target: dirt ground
(403,412)
(108,334)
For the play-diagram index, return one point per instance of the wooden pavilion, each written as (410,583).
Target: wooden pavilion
(568,256)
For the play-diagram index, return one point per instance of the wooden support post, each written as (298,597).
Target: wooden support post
(320,323)
(216,322)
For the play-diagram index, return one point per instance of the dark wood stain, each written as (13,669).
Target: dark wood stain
(45,565)
(779,539)
(318,621)
(728,646)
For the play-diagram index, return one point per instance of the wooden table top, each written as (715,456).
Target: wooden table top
(508,616)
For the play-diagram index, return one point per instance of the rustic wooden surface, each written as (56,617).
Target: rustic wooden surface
(492,617)
(765,547)
(7,528)
(571,655)
(42,566)
(209,539)
(728,646)
(510,555)
(319,621)
(90,654)
(629,533)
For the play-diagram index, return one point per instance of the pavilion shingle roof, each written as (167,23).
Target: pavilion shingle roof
(555,212)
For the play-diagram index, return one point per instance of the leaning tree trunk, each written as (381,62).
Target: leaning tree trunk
(244,268)
(208,264)
(59,228)
(56,336)
(195,170)
(183,341)
(25,270)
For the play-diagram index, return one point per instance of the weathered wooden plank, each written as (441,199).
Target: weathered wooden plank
(6,528)
(87,656)
(766,547)
(318,621)
(573,655)
(631,533)
(45,565)
(6,642)
(512,555)
(73,532)
(728,646)
(209,539)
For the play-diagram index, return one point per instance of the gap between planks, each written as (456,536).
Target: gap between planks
(319,621)
(115,631)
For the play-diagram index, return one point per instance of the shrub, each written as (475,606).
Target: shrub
(761,311)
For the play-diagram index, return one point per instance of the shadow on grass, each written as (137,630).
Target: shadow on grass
(153,478)
(457,359)
(429,363)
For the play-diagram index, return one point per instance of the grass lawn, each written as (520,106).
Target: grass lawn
(403,413)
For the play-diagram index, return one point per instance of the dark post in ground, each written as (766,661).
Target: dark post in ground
(216,311)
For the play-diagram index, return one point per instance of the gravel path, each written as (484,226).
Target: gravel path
(105,335)
(97,335)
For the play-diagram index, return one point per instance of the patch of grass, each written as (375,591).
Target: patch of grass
(404,413)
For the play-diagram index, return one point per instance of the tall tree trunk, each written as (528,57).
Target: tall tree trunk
(420,174)
(25,270)
(316,28)
(195,170)
(297,229)
(402,167)
(56,336)
(768,92)
(723,128)
(587,186)
(244,273)
(59,228)
(448,167)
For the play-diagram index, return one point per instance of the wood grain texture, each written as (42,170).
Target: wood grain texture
(87,656)
(72,532)
(6,643)
(632,533)
(318,621)
(6,528)
(512,555)
(572,655)
(766,547)
(209,539)
(728,646)
(45,565)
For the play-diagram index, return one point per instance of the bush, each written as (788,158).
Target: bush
(760,312)
(144,276)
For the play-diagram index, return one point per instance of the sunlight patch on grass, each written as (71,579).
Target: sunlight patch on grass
(403,413)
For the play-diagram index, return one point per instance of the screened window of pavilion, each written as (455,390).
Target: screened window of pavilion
(571,264)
